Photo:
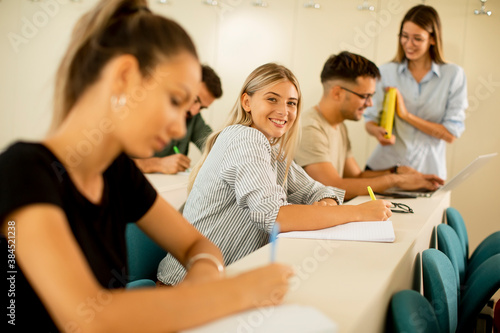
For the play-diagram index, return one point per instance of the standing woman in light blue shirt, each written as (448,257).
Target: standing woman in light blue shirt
(431,99)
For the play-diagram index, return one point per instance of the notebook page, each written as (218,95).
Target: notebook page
(289,318)
(377,231)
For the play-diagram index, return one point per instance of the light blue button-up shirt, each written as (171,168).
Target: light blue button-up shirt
(440,97)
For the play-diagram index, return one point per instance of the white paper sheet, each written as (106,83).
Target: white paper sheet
(290,318)
(377,231)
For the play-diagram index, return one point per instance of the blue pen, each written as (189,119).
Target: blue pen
(274,240)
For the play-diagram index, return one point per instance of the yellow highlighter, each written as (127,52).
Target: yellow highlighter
(370,191)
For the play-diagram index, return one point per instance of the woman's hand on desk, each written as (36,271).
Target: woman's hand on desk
(265,286)
(375,210)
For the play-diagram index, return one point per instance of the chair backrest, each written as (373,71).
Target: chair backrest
(486,249)
(449,244)
(455,220)
(441,288)
(411,312)
(479,288)
(144,255)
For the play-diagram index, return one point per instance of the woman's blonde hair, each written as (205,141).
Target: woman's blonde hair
(262,77)
(110,29)
(426,18)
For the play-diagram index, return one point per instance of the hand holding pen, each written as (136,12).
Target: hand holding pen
(376,210)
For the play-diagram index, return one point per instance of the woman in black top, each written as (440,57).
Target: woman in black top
(123,88)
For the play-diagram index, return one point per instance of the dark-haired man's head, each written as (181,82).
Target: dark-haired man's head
(348,66)
(350,79)
(210,90)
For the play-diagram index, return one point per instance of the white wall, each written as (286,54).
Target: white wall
(235,37)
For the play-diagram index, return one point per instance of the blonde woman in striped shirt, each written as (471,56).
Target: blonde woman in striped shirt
(246,179)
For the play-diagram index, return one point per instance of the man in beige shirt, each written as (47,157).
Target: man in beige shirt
(325,151)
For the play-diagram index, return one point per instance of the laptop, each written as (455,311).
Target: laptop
(450,185)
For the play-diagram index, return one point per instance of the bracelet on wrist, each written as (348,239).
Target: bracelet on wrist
(206,256)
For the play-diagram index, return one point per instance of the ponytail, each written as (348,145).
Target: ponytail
(110,29)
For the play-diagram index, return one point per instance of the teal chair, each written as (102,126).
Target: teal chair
(456,221)
(449,244)
(144,255)
(411,312)
(441,288)
(482,284)
(141,283)
(487,248)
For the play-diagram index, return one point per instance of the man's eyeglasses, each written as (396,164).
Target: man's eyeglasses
(400,208)
(362,96)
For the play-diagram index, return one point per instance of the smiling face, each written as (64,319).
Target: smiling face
(352,105)
(415,41)
(273,109)
(157,106)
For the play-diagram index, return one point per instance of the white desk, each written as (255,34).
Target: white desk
(172,188)
(350,282)
(353,282)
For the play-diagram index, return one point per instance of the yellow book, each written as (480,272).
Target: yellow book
(387,117)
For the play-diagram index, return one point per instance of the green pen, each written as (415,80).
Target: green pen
(176,150)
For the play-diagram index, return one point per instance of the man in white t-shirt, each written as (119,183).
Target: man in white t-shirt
(325,151)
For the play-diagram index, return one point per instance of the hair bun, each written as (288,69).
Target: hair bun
(125,11)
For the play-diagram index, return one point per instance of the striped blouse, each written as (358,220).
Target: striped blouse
(237,194)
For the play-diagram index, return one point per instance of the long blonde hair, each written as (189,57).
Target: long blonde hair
(261,78)
(110,29)
(426,18)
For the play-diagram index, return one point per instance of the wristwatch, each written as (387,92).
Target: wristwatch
(394,169)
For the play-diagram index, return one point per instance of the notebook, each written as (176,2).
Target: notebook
(290,318)
(376,231)
(450,185)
